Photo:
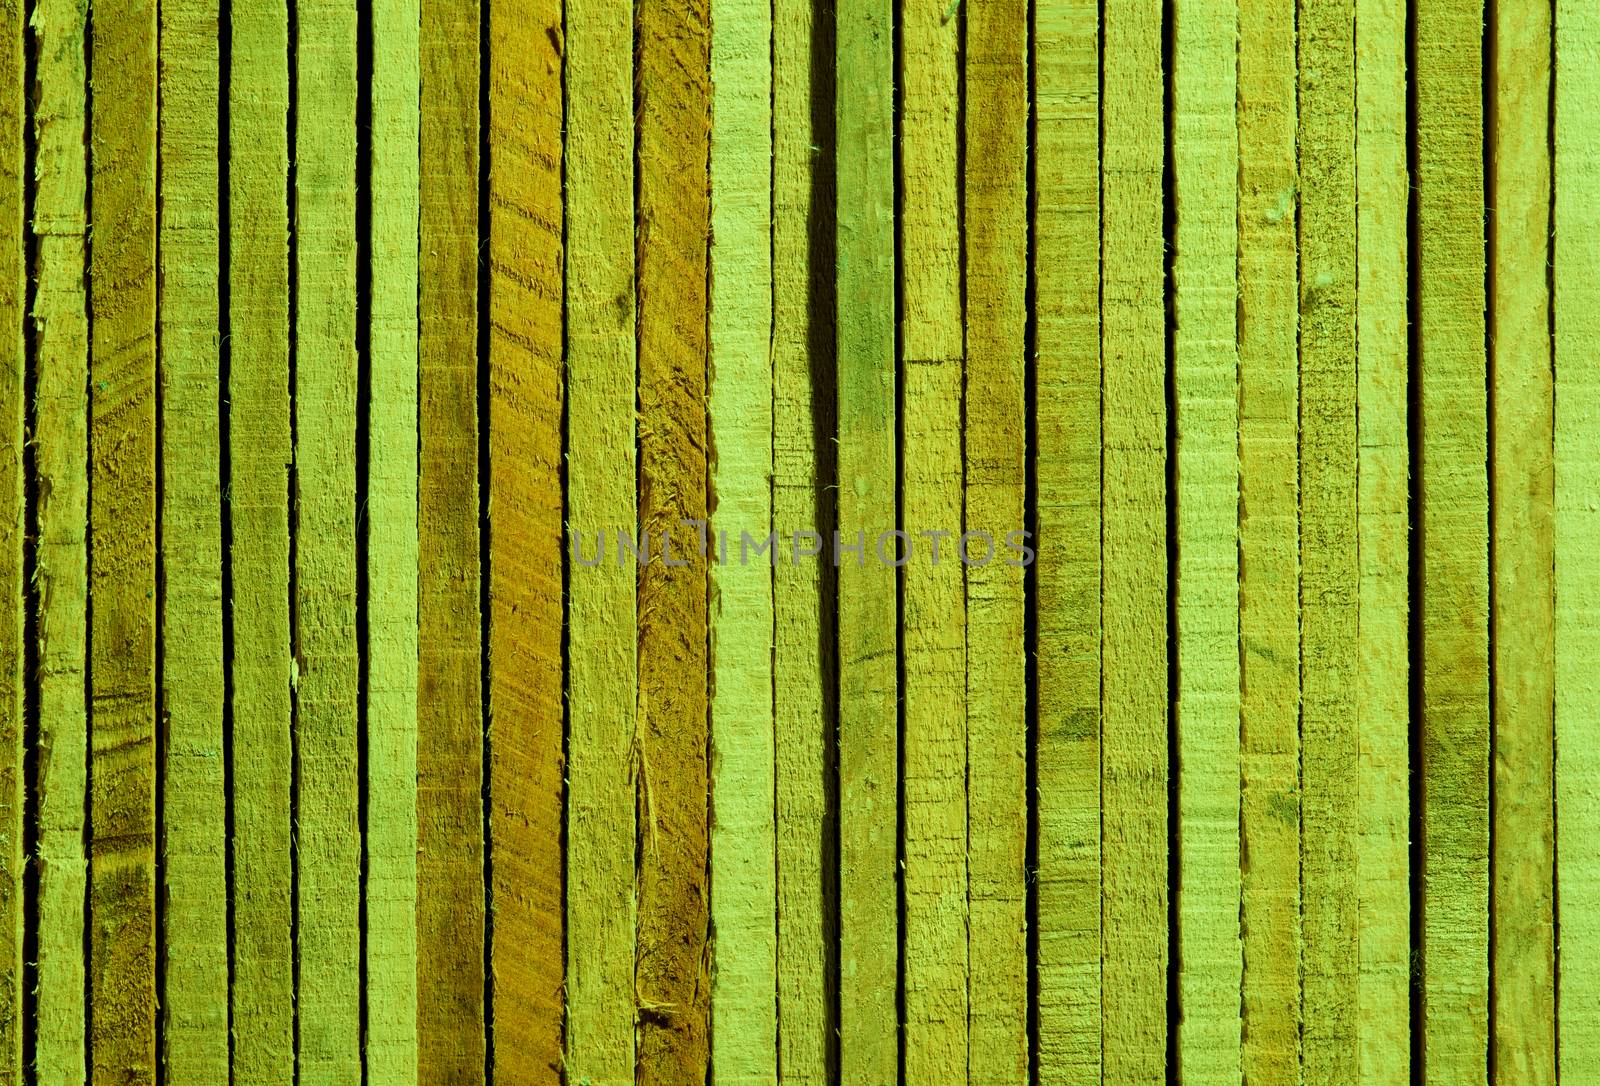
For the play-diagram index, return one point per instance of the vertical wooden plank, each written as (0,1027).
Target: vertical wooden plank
(327,818)
(995,250)
(601,677)
(61,443)
(933,619)
(195,949)
(13,529)
(1134,751)
(868,615)
(1455,523)
(525,586)
(391,890)
(1269,544)
(450,816)
(803,500)
(673,123)
(1522,503)
(122,561)
(1577,488)
(257,496)
(1329,588)
(743,887)
(1382,683)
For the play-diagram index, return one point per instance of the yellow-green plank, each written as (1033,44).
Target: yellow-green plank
(1134,749)
(391,537)
(61,434)
(1454,736)
(195,951)
(14,94)
(1523,499)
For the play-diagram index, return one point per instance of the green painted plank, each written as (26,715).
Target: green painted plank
(1269,543)
(601,699)
(1134,747)
(933,823)
(995,251)
(327,816)
(1455,519)
(195,949)
(391,829)
(61,435)
(743,846)
(14,96)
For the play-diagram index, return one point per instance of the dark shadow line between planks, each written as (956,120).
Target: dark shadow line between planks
(30,599)
(293,238)
(1489,75)
(1414,566)
(225,469)
(1550,292)
(1030,516)
(485,419)
(363,451)
(1169,233)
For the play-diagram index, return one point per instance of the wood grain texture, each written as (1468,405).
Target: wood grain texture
(1455,528)
(1205,377)
(1269,544)
(1134,746)
(14,97)
(390,906)
(525,581)
(327,772)
(994,200)
(673,120)
(194,842)
(867,616)
(257,496)
(1522,501)
(60,426)
(933,602)
(1577,496)
(450,818)
(122,558)
(1329,586)
(601,608)
(1382,683)
(744,982)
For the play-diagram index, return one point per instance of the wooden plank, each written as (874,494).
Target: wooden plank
(1134,748)
(450,817)
(61,441)
(327,815)
(601,676)
(1455,519)
(995,251)
(671,983)
(391,829)
(1329,586)
(14,97)
(1522,501)
(1383,530)
(869,637)
(1577,490)
(933,617)
(1269,544)
(744,984)
(525,584)
(195,949)
(259,438)
(122,561)
(804,499)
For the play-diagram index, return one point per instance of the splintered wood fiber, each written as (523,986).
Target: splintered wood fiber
(1269,545)
(995,205)
(525,606)
(1523,502)
(1454,733)
(672,982)
(60,426)
(391,537)
(450,861)
(195,949)
(1134,752)
(866,478)
(122,565)
(743,881)
(601,645)
(1383,1006)
(933,616)
(13,528)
